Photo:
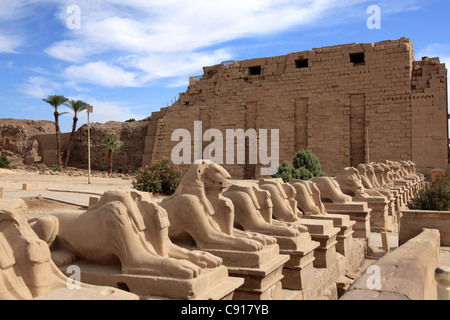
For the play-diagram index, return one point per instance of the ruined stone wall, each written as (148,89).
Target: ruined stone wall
(347,104)
(428,107)
(127,158)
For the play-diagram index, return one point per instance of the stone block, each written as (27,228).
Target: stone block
(32,160)
(414,221)
(212,284)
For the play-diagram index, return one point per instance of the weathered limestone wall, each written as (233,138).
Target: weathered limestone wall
(405,274)
(414,221)
(429,105)
(347,104)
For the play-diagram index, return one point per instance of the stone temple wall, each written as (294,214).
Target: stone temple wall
(348,104)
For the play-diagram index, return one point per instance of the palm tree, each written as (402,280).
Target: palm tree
(76,107)
(111,143)
(56,102)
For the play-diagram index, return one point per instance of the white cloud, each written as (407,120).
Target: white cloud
(8,43)
(136,42)
(69,51)
(15,9)
(39,87)
(149,40)
(102,74)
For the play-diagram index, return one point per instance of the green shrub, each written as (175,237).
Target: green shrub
(435,196)
(307,160)
(303,174)
(161,177)
(287,172)
(4,162)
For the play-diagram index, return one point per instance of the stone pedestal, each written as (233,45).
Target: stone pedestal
(380,220)
(358,212)
(345,235)
(324,232)
(212,284)
(298,271)
(262,272)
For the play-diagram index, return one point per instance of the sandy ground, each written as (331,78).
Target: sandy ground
(50,193)
(53,193)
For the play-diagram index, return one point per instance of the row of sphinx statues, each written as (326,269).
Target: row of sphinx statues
(208,211)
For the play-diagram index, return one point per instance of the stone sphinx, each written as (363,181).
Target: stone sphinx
(127,228)
(385,208)
(335,202)
(284,200)
(123,241)
(330,191)
(351,184)
(367,174)
(199,211)
(409,172)
(253,211)
(309,197)
(203,217)
(380,175)
(26,268)
(286,210)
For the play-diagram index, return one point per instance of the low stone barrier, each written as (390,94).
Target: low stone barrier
(414,221)
(405,274)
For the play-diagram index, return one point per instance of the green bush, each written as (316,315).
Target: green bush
(306,159)
(161,177)
(435,196)
(287,172)
(305,166)
(304,174)
(4,162)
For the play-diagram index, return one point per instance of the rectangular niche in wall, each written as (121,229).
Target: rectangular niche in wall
(358,59)
(253,71)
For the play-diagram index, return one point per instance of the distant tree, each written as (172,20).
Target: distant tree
(4,162)
(131,120)
(111,143)
(56,102)
(76,107)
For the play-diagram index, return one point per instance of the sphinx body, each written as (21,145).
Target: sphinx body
(253,211)
(367,173)
(127,228)
(330,190)
(198,211)
(309,197)
(26,268)
(351,184)
(285,208)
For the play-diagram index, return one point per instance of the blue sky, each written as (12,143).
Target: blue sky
(130,58)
